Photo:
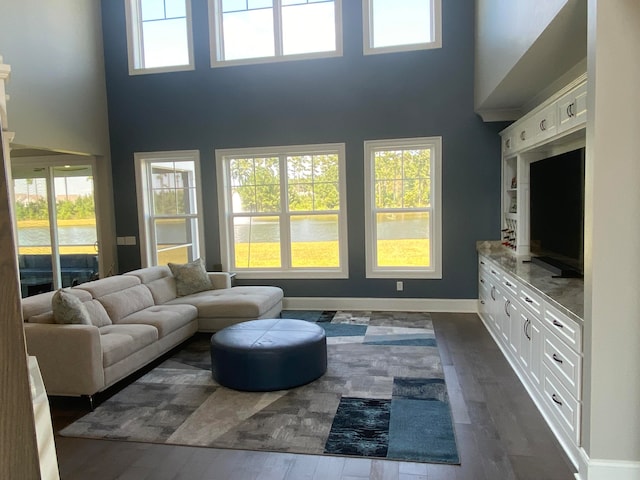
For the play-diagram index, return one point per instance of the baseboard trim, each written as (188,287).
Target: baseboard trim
(595,469)
(382,304)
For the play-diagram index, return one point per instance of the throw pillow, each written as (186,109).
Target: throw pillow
(67,308)
(190,277)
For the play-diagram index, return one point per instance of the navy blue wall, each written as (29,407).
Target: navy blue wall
(348,99)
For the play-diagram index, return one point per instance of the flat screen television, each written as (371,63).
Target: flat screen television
(557,213)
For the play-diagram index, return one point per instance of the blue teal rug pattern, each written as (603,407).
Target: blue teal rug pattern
(383,396)
(414,425)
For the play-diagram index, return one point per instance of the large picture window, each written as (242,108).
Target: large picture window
(282,211)
(403,222)
(169,207)
(159,35)
(394,26)
(251,31)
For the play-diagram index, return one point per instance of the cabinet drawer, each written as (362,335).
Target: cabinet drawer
(563,362)
(531,300)
(483,263)
(508,143)
(510,285)
(561,404)
(545,123)
(563,327)
(494,274)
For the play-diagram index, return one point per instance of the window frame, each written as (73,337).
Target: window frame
(216,43)
(435,232)
(367,29)
(135,41)
(226,215)
(146,217)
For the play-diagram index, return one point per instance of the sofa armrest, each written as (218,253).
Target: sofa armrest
(220,279)
(69,356)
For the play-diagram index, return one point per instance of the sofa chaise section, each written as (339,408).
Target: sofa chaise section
(219,307)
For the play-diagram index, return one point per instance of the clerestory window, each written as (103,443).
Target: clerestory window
(401,25)
(254,31)
(159,37)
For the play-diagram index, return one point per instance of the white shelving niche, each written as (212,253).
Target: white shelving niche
(554,127)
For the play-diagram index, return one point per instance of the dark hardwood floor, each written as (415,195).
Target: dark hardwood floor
(500,434)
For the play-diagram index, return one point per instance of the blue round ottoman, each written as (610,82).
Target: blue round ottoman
(267,355)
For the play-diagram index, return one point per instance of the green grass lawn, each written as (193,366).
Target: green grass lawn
(405,253)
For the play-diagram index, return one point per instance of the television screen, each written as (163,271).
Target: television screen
(557,212)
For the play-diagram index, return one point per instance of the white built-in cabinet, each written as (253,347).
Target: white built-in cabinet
(541,339)
(554,125)
(542,344)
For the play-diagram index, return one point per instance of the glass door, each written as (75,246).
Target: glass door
(56,226)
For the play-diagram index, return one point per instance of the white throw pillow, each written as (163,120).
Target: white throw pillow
(68,308)
(190,277)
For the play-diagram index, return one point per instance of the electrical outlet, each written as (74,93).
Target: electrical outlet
(399,286)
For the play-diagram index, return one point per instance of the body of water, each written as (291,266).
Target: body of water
(307,229)
(67,235)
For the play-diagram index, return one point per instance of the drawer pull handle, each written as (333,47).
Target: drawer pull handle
(555,399)
(492,292)
(528,300)
(506,308)
(494,272)
(482,302)
(556,358)
(508,284)
(526,333)
(557,324)
(481,262)
(482,280)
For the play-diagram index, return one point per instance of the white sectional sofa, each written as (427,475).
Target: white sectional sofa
(135,318)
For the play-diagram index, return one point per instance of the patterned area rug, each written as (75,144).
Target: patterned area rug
(383,396)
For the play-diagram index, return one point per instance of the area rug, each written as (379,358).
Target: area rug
(383,396)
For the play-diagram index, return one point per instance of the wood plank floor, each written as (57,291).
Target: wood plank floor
(500,434)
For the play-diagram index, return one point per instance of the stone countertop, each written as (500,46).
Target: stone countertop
(566,294)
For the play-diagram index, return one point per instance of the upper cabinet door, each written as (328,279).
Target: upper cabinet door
(572,108)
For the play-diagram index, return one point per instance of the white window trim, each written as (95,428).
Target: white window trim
(373,271)
(147,236)
(135,41)
(367,28)
(216,48)
(226,219)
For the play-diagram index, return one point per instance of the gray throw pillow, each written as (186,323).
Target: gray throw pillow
(190,277)
(68,308)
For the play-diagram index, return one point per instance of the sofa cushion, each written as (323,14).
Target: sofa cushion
(166,318)
(69,309)
(240,302)
(107,285)
(163,290)
(125,302)
(99,316)
(149,274)
(160,282)
(190,277)
(120,341)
